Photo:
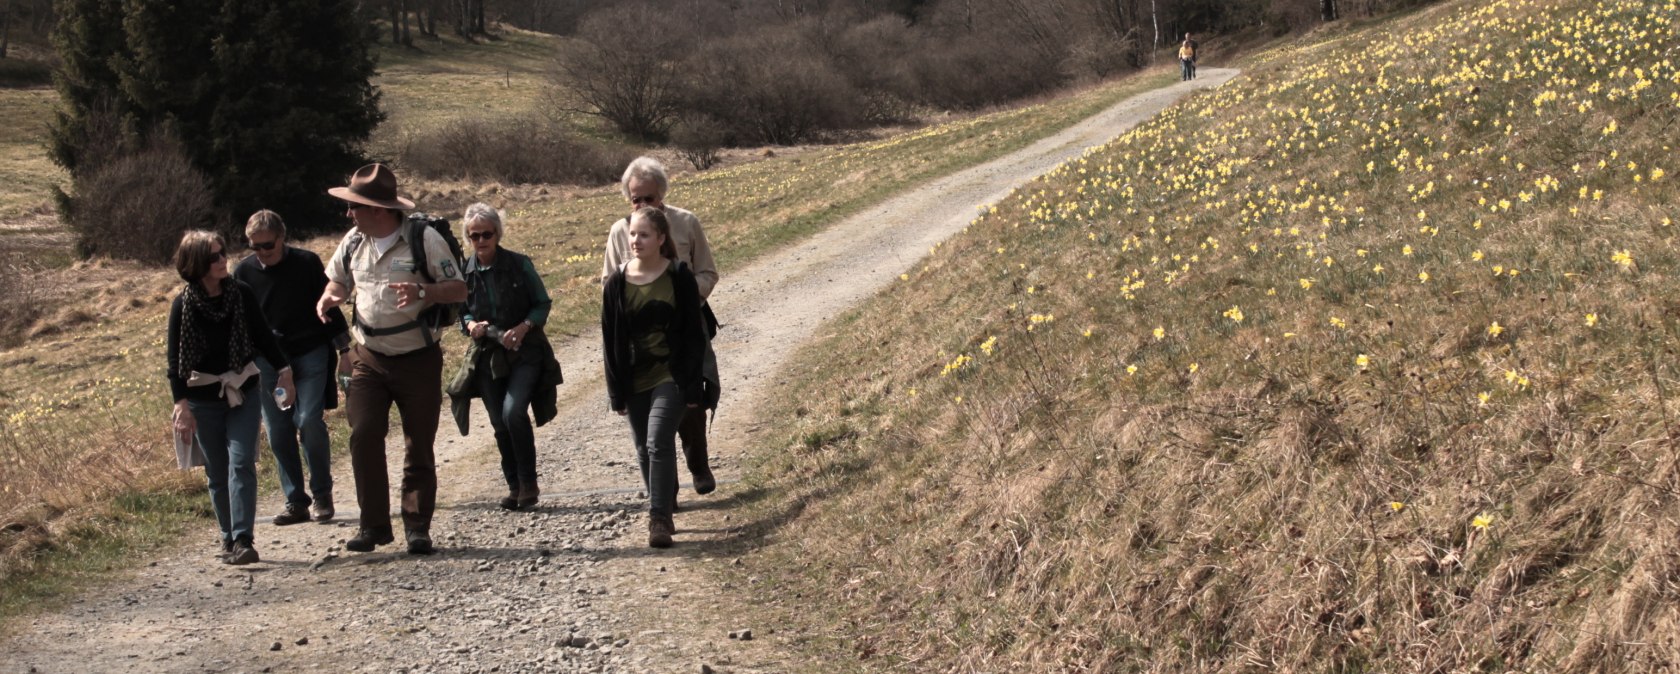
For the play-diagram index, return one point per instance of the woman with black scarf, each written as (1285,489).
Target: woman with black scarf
(215,328)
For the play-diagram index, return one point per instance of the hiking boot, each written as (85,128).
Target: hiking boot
(511,501)
(366,539)
(241,554)
(660,530)
(293,514)
(528,495)
(704,483)
(322,510)
(419,542)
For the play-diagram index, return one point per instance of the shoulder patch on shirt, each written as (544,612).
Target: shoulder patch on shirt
(448,267)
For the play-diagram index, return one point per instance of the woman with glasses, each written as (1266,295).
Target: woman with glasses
(509,363)
(654,342)
(216,331)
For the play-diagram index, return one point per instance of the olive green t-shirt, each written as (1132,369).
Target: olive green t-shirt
(652,308)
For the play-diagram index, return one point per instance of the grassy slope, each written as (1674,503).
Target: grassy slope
(26,175)
(1360,363)
(83,455)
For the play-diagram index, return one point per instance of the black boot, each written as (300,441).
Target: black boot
(528,494)
(366,539)
(692,430)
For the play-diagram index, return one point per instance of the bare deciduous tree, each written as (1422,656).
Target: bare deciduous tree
(631,83)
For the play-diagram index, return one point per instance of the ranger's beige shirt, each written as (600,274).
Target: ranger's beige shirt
(686,235)
(376,304)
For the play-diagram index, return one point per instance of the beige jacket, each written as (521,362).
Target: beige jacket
(376,304)
(686,235)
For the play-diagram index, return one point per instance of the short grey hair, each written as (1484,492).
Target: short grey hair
(645,168)
(481,211)
(265,221)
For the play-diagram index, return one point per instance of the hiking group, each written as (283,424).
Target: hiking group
(271,330)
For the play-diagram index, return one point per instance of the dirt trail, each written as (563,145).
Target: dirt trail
(571,586)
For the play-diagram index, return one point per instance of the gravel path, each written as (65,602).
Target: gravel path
(570,587)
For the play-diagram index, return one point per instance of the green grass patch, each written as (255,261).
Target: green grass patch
(130,526)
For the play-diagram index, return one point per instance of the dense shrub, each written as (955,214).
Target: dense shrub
(137,203)
(525,149)
(698,138)
(771,88)
(971,74)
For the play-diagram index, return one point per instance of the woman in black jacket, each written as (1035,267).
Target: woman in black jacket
(507,306)
(653,343)
(216,328)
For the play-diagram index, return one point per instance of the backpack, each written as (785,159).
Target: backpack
(414,230)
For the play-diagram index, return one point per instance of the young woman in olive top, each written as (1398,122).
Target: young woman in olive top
(653,343)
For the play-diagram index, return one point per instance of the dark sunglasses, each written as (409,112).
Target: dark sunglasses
(637,201)
(266,245)
(481,236)
(218,255)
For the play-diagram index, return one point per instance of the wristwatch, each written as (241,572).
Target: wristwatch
(422,288)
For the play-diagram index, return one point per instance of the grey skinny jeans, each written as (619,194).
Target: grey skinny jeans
(654,417)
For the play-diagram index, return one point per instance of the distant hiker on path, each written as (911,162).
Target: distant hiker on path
(396,357)
(1187,58)
(510,363)
(216,328)
(286,282)
(654,343)
(645,184)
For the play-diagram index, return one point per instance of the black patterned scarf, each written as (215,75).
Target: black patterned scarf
(199,309)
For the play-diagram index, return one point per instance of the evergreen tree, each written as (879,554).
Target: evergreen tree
(269,98)
(89,39)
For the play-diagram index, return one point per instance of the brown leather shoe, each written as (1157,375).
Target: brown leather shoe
(660,530)
(528,495)
(511,501)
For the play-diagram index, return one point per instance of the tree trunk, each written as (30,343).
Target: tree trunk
(396,11)
(407,38)
(478,17)
(1327,8)
(1155,20)
(6,30)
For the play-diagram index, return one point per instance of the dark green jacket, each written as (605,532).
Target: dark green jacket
(506,293)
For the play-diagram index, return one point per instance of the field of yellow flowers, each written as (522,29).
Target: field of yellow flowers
(1362,362)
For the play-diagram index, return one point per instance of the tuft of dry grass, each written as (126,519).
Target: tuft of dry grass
(1359,363)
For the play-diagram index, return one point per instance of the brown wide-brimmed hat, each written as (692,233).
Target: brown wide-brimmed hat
(373,185)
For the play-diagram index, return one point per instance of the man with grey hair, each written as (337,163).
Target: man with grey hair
(286,281)
(645,184)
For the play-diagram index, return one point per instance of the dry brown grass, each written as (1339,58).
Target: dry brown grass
(1282,491)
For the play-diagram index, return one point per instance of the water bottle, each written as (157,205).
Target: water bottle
(280,398)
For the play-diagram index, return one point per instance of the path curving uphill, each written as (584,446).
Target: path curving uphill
(570,587)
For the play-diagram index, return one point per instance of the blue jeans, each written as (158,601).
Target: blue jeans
(229,438)
(654,417)
(311,377)
(508,400)
(1187,69)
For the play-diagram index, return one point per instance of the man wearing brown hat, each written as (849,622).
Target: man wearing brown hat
(396,357)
